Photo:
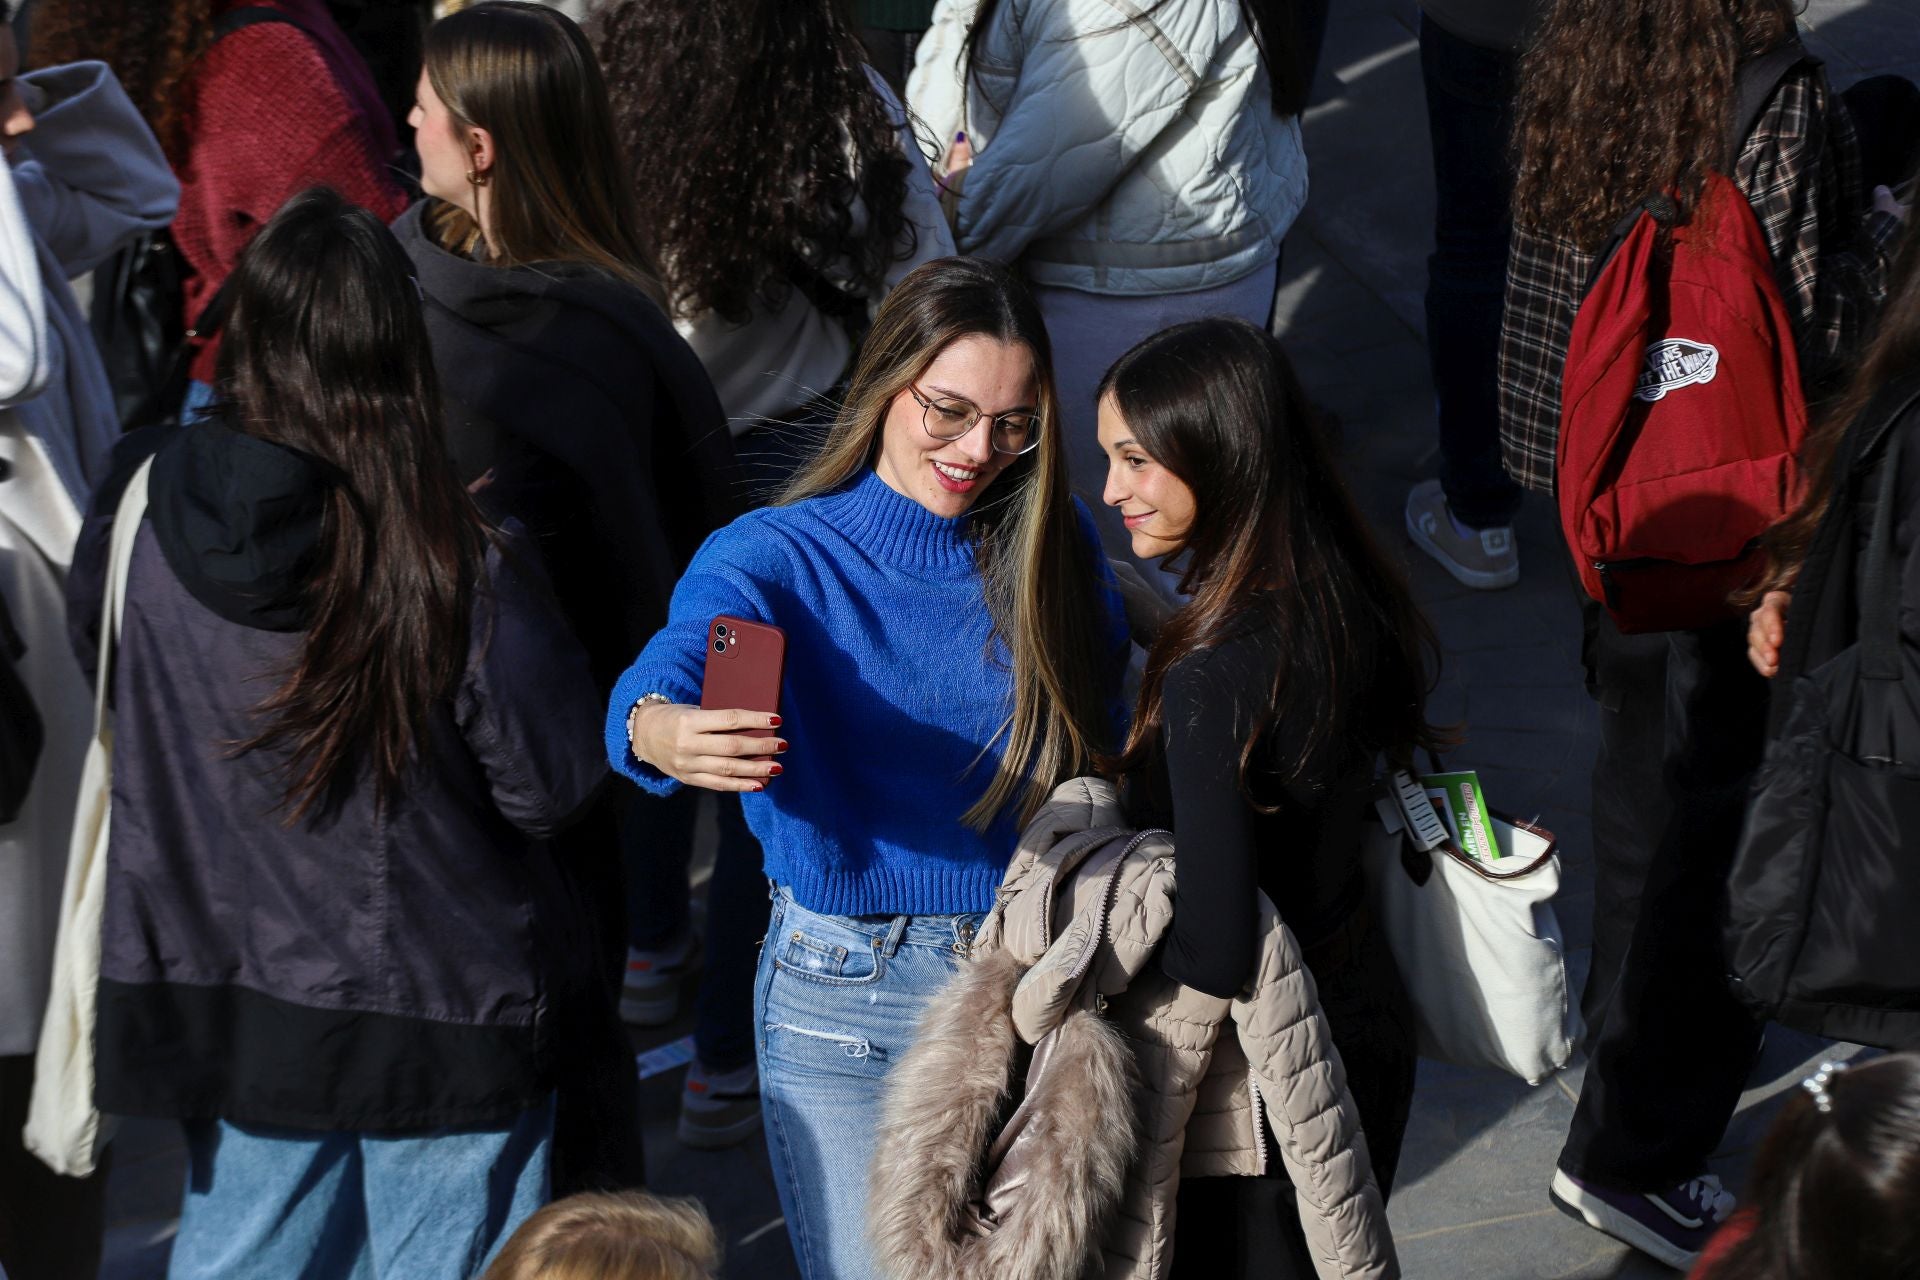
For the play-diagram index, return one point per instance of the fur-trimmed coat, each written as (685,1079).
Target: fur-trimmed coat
(1133,1087)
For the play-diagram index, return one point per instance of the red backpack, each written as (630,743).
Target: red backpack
(1681,412)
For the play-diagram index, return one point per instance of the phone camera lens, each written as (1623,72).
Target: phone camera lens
(719,646)
(720,628)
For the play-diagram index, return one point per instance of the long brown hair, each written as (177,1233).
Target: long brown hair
(1894,351)
(750,145)
(1835,1194)
(327,354)
(150,44)
(558,190)
(1620,99)
(1036,562)
(1275,534)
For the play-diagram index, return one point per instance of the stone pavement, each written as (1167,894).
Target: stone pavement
(1471,1201)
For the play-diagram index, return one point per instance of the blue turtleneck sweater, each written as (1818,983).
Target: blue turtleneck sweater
(890,704)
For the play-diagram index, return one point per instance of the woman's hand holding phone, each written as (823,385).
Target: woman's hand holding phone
(706,748)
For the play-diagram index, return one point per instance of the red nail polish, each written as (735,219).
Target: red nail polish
(781,745)
(759,786)
(774,771)
(773,722)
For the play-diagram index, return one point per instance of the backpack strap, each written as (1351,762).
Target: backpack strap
(1754,83)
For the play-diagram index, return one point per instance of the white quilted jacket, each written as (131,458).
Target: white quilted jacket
(1119,146)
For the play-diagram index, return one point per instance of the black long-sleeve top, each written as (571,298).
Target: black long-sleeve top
(1304,854)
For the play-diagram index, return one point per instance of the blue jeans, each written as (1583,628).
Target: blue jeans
(657,841)
(836,1004)
(296,1205)
(199,396)
(1470,116)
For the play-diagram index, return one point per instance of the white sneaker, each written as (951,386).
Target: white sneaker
(1485,559)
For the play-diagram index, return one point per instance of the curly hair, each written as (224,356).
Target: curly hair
(150,44)
(1620,99)
(752,127)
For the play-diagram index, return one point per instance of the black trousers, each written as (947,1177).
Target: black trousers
(50,1226)
(1230,1228)
(1669,1047)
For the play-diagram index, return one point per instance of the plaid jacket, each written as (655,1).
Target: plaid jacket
(1800,169)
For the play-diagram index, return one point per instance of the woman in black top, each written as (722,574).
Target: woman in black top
(1297,660)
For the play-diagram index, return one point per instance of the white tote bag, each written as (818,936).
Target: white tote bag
(63,1128)
(1477,944)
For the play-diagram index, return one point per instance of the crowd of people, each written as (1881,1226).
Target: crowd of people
(401,406)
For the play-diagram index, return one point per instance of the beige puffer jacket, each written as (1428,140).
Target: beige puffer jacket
(1116,1107)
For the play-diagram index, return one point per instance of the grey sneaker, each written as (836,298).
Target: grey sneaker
(1486,560)
(717,1111)
(650,996)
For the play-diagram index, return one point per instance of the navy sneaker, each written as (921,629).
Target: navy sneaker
(1672,1225)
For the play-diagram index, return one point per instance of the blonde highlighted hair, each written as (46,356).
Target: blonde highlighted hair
(1030,548)
(627,1235)
(558,188)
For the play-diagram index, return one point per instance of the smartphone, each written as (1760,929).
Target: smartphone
(744,662)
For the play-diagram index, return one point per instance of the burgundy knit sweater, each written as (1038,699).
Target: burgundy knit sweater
(277,109)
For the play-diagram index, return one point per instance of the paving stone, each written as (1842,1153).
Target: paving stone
(1868,36)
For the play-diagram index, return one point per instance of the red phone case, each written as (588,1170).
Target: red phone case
(744,661)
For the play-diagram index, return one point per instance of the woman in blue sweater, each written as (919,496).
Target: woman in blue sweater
(951,656)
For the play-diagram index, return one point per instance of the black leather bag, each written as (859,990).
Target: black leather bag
(136,317)
(21,732)
(1823,923)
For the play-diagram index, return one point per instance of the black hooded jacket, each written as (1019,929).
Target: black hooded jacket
(576,408)
(364,970)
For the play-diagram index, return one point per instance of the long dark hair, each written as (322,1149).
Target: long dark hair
(326,353)
(1835,1195)
(1276,538)
(1035,564)
(749,143)
(150,44)
(1619,99)
(1276,31)
(559,193)
(1894,351)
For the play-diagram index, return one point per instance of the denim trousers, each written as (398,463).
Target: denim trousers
(1469,117)
(284,1204)
(657,840)
(836,1004)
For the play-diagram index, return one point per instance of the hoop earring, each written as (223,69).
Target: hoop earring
(476,178)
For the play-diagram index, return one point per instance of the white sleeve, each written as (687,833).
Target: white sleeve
(25,364)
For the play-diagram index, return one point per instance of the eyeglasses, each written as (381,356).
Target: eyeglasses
(945,419)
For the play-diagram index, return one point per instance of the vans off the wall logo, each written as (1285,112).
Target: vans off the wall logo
(1673,363)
